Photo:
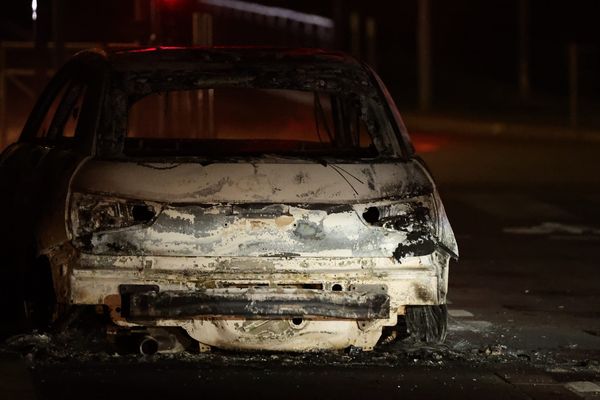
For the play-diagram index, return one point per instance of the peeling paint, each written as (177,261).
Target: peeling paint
(216,233)
(177,214)
(305,249)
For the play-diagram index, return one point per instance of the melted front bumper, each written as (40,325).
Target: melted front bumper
(255,303)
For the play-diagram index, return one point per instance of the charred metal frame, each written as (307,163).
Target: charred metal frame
(303,70)
(354,240)
(256,303)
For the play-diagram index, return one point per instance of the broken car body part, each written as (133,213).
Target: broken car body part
(258,242)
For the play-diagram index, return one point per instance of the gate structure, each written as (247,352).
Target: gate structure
(24,69)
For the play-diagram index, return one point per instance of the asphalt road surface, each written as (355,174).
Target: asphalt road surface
(524,312)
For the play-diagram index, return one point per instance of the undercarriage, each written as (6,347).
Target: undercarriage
(267,303)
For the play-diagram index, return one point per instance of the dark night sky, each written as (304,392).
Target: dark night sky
(552,20)
(475,42)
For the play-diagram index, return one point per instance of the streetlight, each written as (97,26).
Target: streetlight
(34,10)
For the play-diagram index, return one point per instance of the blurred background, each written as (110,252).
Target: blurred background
(522,67)
(501,98)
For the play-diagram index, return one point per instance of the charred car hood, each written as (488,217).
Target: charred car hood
(284,181)
(265,209)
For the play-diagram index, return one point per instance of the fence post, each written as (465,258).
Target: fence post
(371,33)
(202,27)
(155,27)
(524,86)
(573,85)
(424,54)
(339,26)
(57,32)
(3,124)
(355,34)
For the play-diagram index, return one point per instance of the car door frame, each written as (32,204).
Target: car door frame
(36,172)
(67,154)
(35,176)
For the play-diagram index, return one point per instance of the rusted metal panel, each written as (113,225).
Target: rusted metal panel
(234,226)
(412,282)
(268,180)
(296,231)
(234,249)
(283,334)
(257,303)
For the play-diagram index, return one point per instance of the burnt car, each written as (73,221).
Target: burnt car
(254,198)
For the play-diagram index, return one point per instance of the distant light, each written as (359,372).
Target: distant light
(268,11)
(34,10)
(170,3)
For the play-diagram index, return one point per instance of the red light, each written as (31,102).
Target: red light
(172,5)
(428,143)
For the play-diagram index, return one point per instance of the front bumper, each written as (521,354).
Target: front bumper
(254,303)
(417,280)
(250,302)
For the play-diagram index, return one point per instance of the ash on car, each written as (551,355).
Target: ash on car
(246,198)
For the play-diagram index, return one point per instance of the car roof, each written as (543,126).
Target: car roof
(170,68)
(164,56)
(139,72)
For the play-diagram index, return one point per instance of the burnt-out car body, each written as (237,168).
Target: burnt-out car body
(256,198)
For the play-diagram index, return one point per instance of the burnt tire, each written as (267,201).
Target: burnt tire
(11,300)
(427,324)
(39,298)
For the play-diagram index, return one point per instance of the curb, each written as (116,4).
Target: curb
(474,127)
(16,382)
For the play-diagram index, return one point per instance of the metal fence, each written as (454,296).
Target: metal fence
(24,69)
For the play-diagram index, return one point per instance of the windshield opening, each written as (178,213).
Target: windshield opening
(246,121)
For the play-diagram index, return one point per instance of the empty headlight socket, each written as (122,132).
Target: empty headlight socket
(371,215)
(142,213)
(336,287)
